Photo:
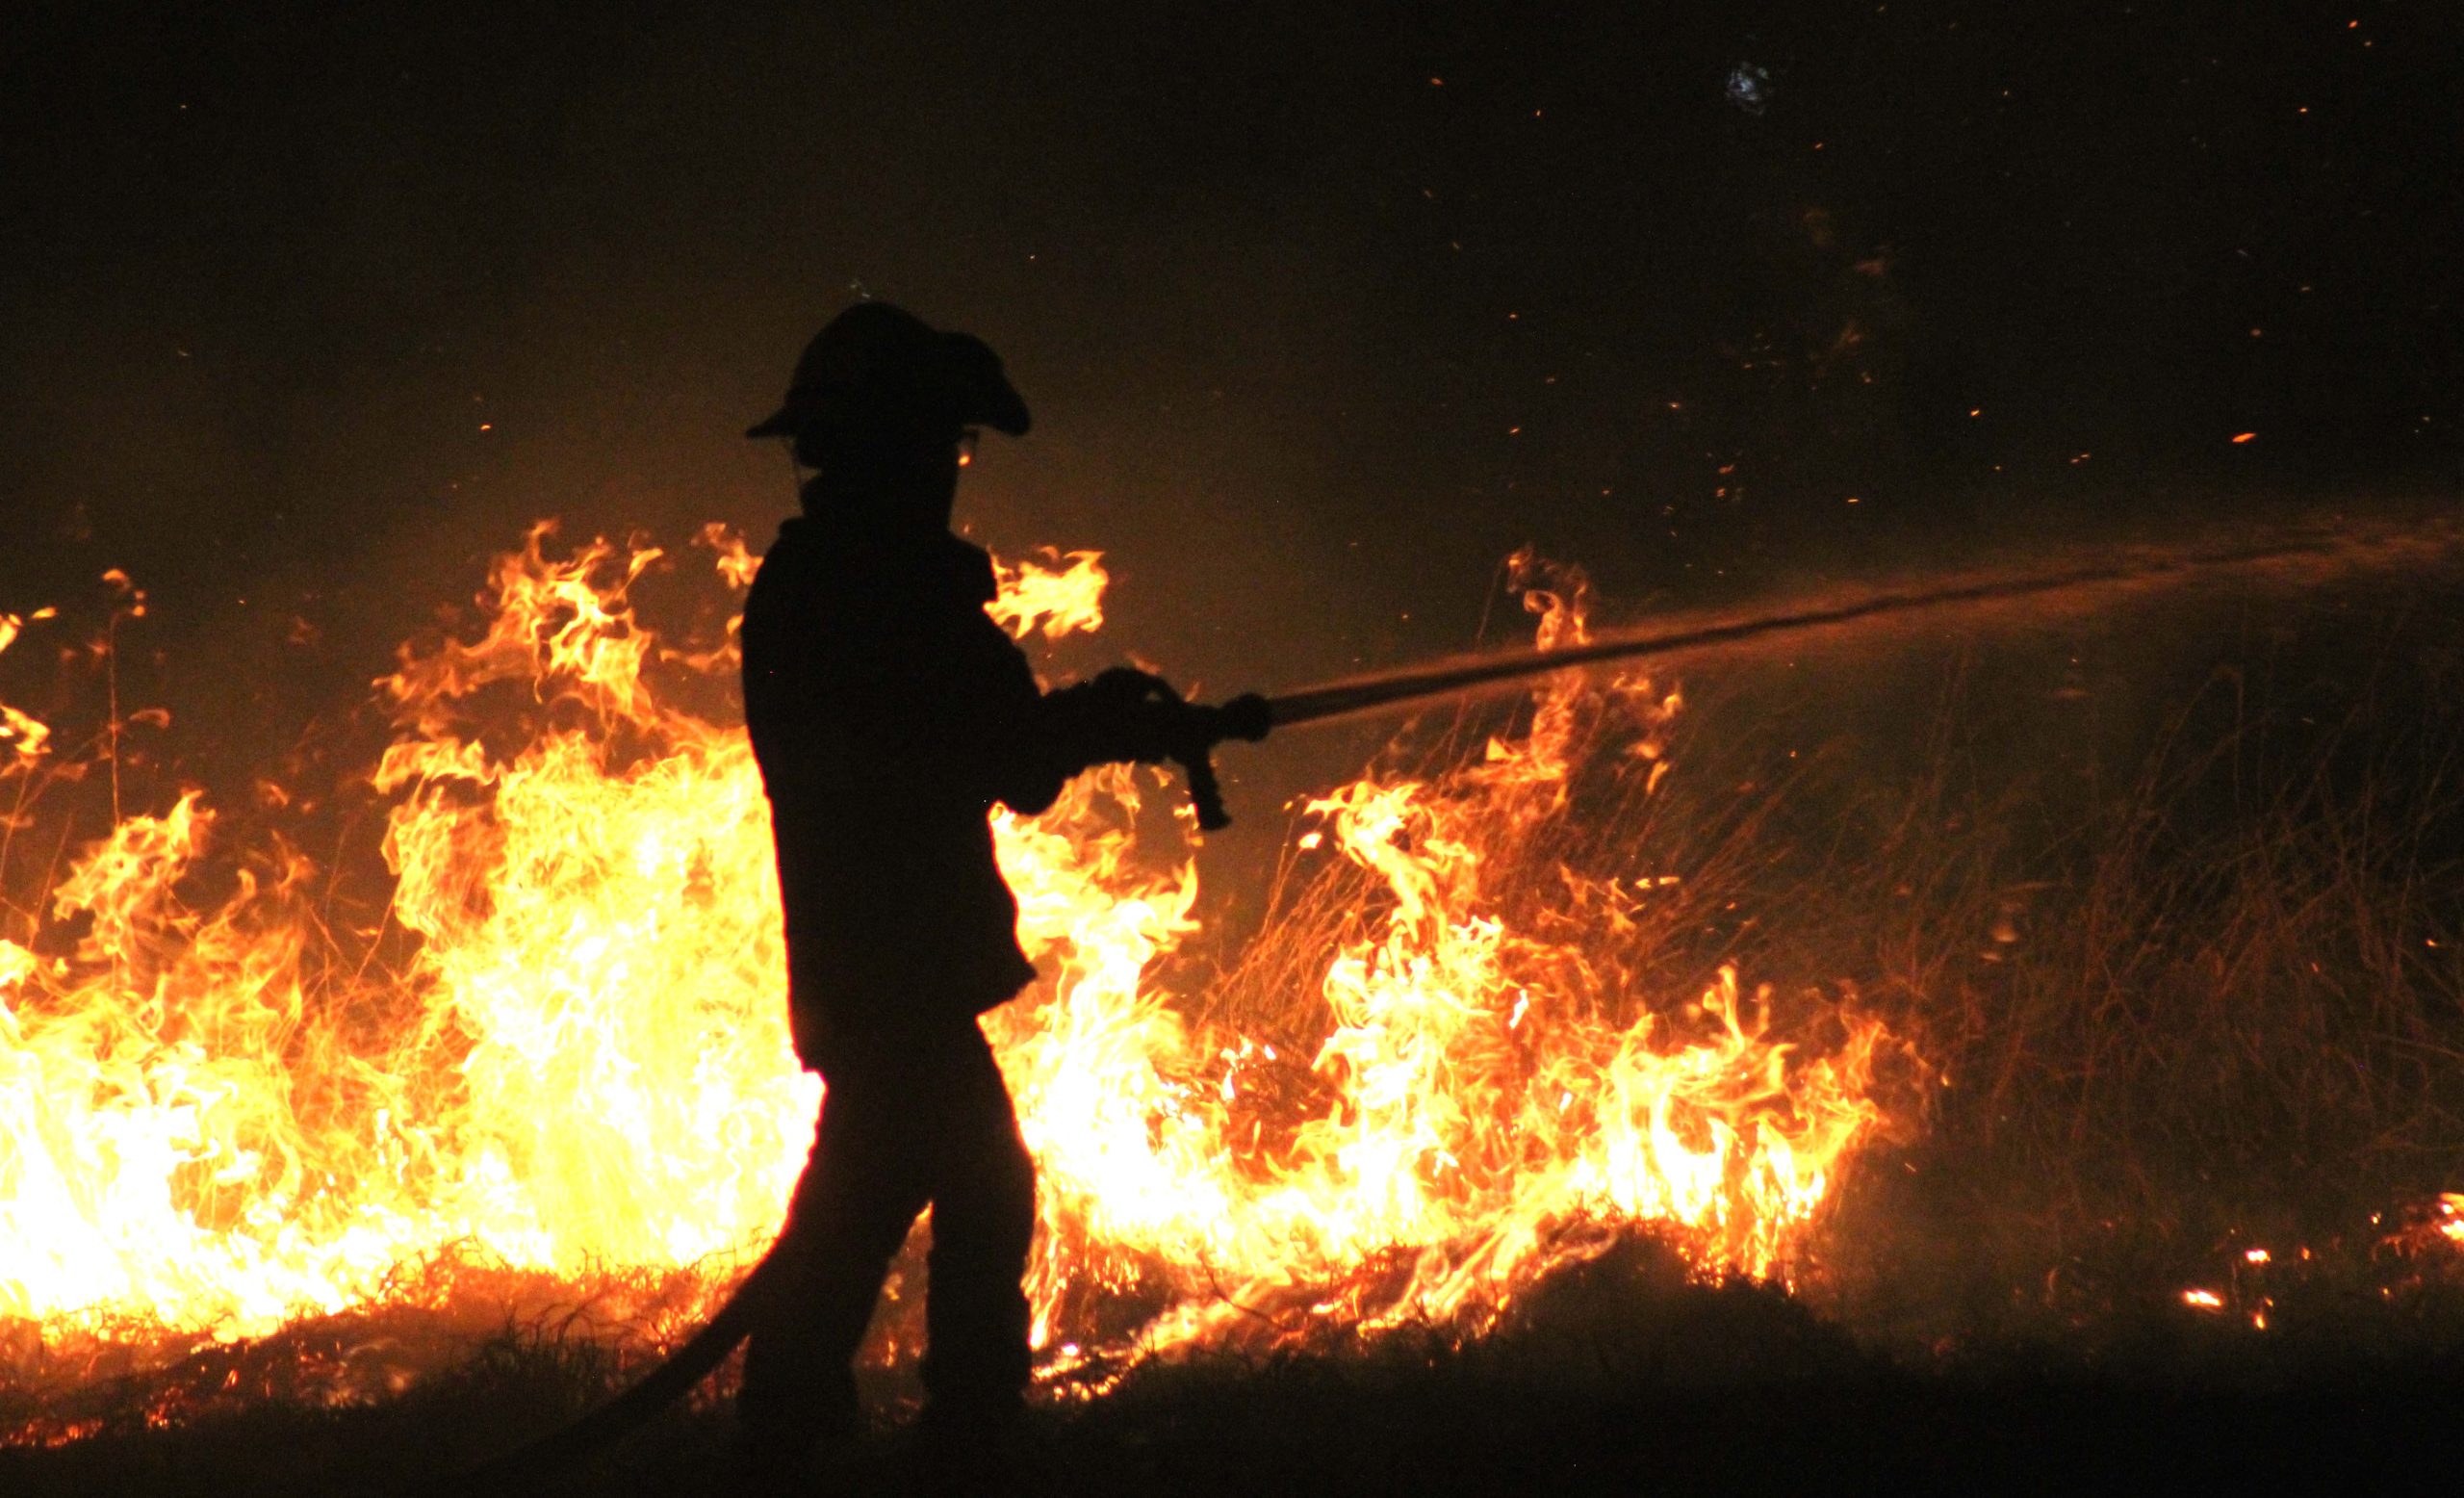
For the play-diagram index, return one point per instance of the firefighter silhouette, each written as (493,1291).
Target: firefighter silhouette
(888,712)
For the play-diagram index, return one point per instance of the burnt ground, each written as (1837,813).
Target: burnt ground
(1621,1382)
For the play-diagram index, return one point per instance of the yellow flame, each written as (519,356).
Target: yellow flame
(1054,600)
(22,735)
(582,1060)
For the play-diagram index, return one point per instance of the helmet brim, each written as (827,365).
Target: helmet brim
(1003,410)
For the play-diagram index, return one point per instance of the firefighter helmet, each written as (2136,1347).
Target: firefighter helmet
(879,364)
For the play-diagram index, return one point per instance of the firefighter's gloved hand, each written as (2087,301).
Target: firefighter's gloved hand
(1121,688)
(1122,715)
(1245,718)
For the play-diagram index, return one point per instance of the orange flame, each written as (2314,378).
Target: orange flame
(583,1061)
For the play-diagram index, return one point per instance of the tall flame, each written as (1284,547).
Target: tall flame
(582,1060)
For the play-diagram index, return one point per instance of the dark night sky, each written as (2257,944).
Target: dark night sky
(1322,309)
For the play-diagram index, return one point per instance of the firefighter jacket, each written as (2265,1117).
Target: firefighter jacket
(888,712)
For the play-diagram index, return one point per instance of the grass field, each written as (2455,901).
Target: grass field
(2173,940)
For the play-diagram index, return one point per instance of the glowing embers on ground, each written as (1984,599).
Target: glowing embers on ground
(1434,1078)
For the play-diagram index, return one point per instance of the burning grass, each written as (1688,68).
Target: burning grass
(563,1050)
(1994,1064)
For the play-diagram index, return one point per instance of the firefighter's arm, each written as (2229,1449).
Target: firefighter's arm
(1029,744)
(1044,738)
(1122,716)
(1130,715)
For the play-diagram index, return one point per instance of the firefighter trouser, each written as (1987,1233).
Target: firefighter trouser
(907,1122)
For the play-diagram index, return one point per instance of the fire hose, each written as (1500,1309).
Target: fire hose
(1192,733)
(2095,580)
